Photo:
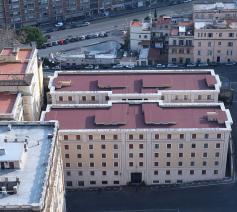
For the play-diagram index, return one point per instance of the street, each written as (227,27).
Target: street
(214,198)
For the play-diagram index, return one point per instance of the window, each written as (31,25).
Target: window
(106,98)
(181,146)
(130,137)
(219,43)
(68,173)
(192,163)
(90,146)
(103,146)
(92,182)
(79,164)
(205,145)
(93,98)
(167,172)
(210,35)
(103,155)
(204,163)
(156,146)
(115,164)
(140,155)
(78,137)
(181,136)
(208,97)
(68,165)
(156,163)
(156,181)
(206,136)
(199,97)
(231,34)
(91,155)
(193,146)
(218,145)
(180,155)
(130,146)
(80,173)
(215,171)
(205,154)
(168,155)
(83,98)
(180,172)
(78,155)
(92,164)
(168,136)
(220,34)
(69,98)
(116,173)
(104,182)
(78,146)
(192,154)
(116,182)
(199,52)
(180,163)
(130,155)
(65,137)
(217,155)
(69,183)
(115,146)
(102,137)
(167,163)
(168,146)
(204,172)
(199,44)
(66,147)
(90,137)
(140,164)
(194,136)
(115,137)
(157,136)
(103,164)
(115,155)
(92,173)
(191,172)
(156,155)
(141,137)
(218,136)
(140,146)
(104,173)
(216,163)
(130,164)
(156,172)
(61,99)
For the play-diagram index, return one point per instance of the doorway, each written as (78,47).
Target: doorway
(218,59)
(136,177)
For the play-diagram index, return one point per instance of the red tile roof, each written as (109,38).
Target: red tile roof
(7,102)
(134,82)
(125,116)
(136,24)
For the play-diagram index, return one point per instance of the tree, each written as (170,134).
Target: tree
(33,34)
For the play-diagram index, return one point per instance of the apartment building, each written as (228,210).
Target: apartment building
(214,11)
(105,87)
(140,34)
(181,44)
(11,107)
(31,168)
(154,143)
(215,41)
(21,72)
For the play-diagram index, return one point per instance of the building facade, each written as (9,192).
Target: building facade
(31,168)
(106,87)
(142,143)
(21,72)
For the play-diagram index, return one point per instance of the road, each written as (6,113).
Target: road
(216,198)
(120,22)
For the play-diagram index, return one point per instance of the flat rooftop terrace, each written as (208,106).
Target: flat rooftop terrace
(7,101)
(141,82)
(134,116)
(34,171)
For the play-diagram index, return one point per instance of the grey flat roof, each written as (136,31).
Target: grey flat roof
(35,164)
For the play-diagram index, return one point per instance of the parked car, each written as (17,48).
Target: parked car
(61,42)
(59,24)
(202,65)
(82,37)
(130,66)
(160,66)
(117,66)
(230,64)
(54,43)
(89,67)
(171,65)
(96,67)
(191,65)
